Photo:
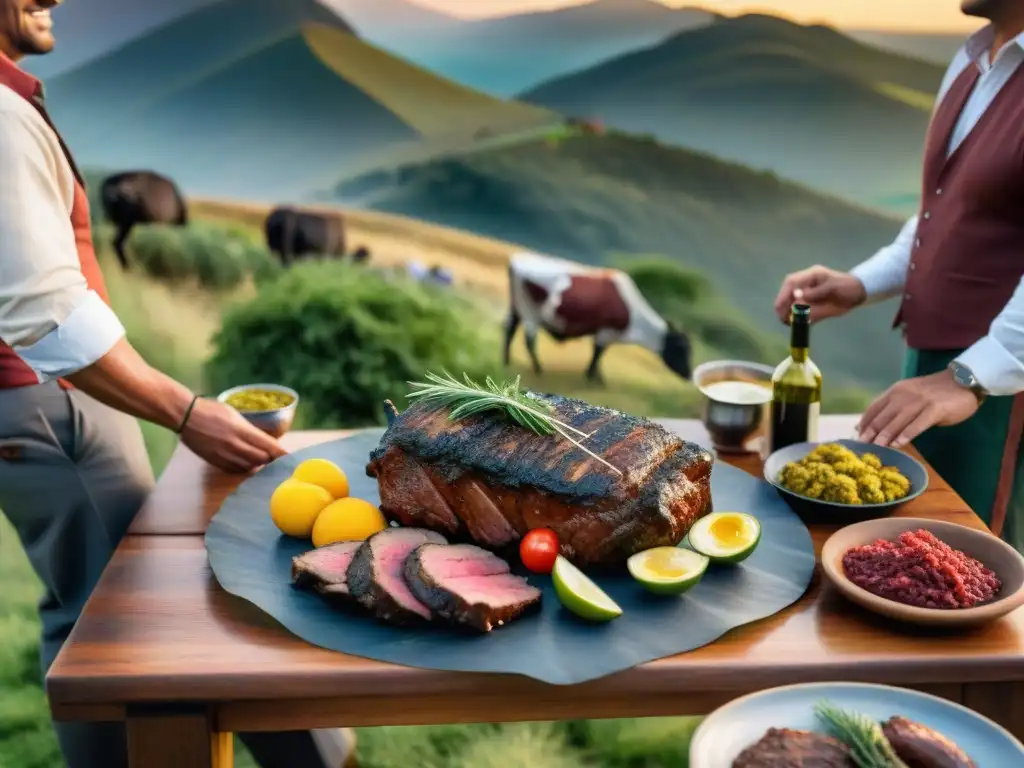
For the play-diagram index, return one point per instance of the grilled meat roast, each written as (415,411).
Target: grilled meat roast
(787,748)
(919,746)
(468,585)
(376,574)
(489,480)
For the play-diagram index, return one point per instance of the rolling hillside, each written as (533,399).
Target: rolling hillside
(392,23)
(589,198)
(936,48)
(804,101)
(506,55)
(261,99)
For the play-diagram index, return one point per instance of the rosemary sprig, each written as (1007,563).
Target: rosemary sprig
(864,737)
(466,398)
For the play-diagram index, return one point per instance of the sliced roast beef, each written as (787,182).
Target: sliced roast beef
(468,585)
(375,575)
(485,478)
(325,569)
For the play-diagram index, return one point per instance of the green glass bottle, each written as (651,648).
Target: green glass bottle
(796,387)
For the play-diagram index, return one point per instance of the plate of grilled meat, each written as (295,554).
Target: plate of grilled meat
(520,533)
(850,725)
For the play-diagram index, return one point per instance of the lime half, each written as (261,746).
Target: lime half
(667,570)
(726,537)
(580,595)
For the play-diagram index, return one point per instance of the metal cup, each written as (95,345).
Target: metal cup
(735,427)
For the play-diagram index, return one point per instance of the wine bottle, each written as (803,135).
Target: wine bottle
(796,387)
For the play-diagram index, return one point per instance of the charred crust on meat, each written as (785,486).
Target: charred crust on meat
(509,455)
(787,748)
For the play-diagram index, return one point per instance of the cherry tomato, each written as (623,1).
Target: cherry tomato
(538,550)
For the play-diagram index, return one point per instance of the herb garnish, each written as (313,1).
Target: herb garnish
(864,737)
(468,398)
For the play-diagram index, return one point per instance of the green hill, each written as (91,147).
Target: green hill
(262,100)
(589,198)
(804,101)
(507,54)
(934,47)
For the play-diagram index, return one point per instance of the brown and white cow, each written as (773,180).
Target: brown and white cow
(570,300)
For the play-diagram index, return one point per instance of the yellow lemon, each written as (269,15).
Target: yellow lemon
(347,520)
(324,473)
(294,507)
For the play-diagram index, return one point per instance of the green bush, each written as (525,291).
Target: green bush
(347,338)
(219,258)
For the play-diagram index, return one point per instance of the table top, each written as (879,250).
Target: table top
(190,491)
(159,628)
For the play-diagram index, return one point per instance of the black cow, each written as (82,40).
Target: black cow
(140,197)
(293,233)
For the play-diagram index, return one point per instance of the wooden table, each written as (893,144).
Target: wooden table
(161,646)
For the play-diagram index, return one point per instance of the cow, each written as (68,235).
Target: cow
(570,300)
(292,233)
(140,197)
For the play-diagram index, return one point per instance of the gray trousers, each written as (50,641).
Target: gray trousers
(73,474)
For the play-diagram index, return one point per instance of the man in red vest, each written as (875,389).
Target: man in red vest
(73,465)
(958,268)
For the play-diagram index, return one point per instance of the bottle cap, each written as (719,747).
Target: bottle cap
(801,310)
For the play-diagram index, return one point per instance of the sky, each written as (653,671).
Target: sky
(923,15)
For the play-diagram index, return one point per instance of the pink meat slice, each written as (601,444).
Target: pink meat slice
(375,575)
(468,585)
(325,569)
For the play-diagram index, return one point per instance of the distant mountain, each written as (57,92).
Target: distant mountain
(85,30)
(589,198)
(384,21)
(261,99)
(804,101)
(936,48)
(509,54)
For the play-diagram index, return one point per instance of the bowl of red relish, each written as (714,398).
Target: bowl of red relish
(925,572)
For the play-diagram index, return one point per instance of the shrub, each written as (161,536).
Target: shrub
(219,258)
(347,338)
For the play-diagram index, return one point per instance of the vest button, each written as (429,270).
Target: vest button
(906,296)
(913,266)
(938,191)
(917,243)
(926,215)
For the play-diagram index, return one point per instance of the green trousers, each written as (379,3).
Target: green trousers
(969,455)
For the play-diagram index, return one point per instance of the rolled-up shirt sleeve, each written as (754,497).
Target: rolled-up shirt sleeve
(997,360)
(48,314)
(885,273)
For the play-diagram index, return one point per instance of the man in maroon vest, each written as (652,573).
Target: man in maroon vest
(958,268)
(73,465)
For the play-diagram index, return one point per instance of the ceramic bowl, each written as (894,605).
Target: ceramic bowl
(834,512)
(989,550)
(274,422)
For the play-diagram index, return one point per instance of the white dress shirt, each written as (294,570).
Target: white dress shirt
(48,314)
(996,360)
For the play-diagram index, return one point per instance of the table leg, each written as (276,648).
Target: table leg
(1002,703)
(172,738)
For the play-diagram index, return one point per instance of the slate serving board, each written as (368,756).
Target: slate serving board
(251,559)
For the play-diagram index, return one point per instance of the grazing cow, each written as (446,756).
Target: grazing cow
(293,233)
(140,197)
(570,300)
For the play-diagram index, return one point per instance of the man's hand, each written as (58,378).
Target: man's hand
(911,406)
(220,435)
(828,292)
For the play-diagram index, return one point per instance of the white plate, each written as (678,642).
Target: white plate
(732,728)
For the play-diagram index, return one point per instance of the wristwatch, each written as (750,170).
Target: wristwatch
(963,376)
